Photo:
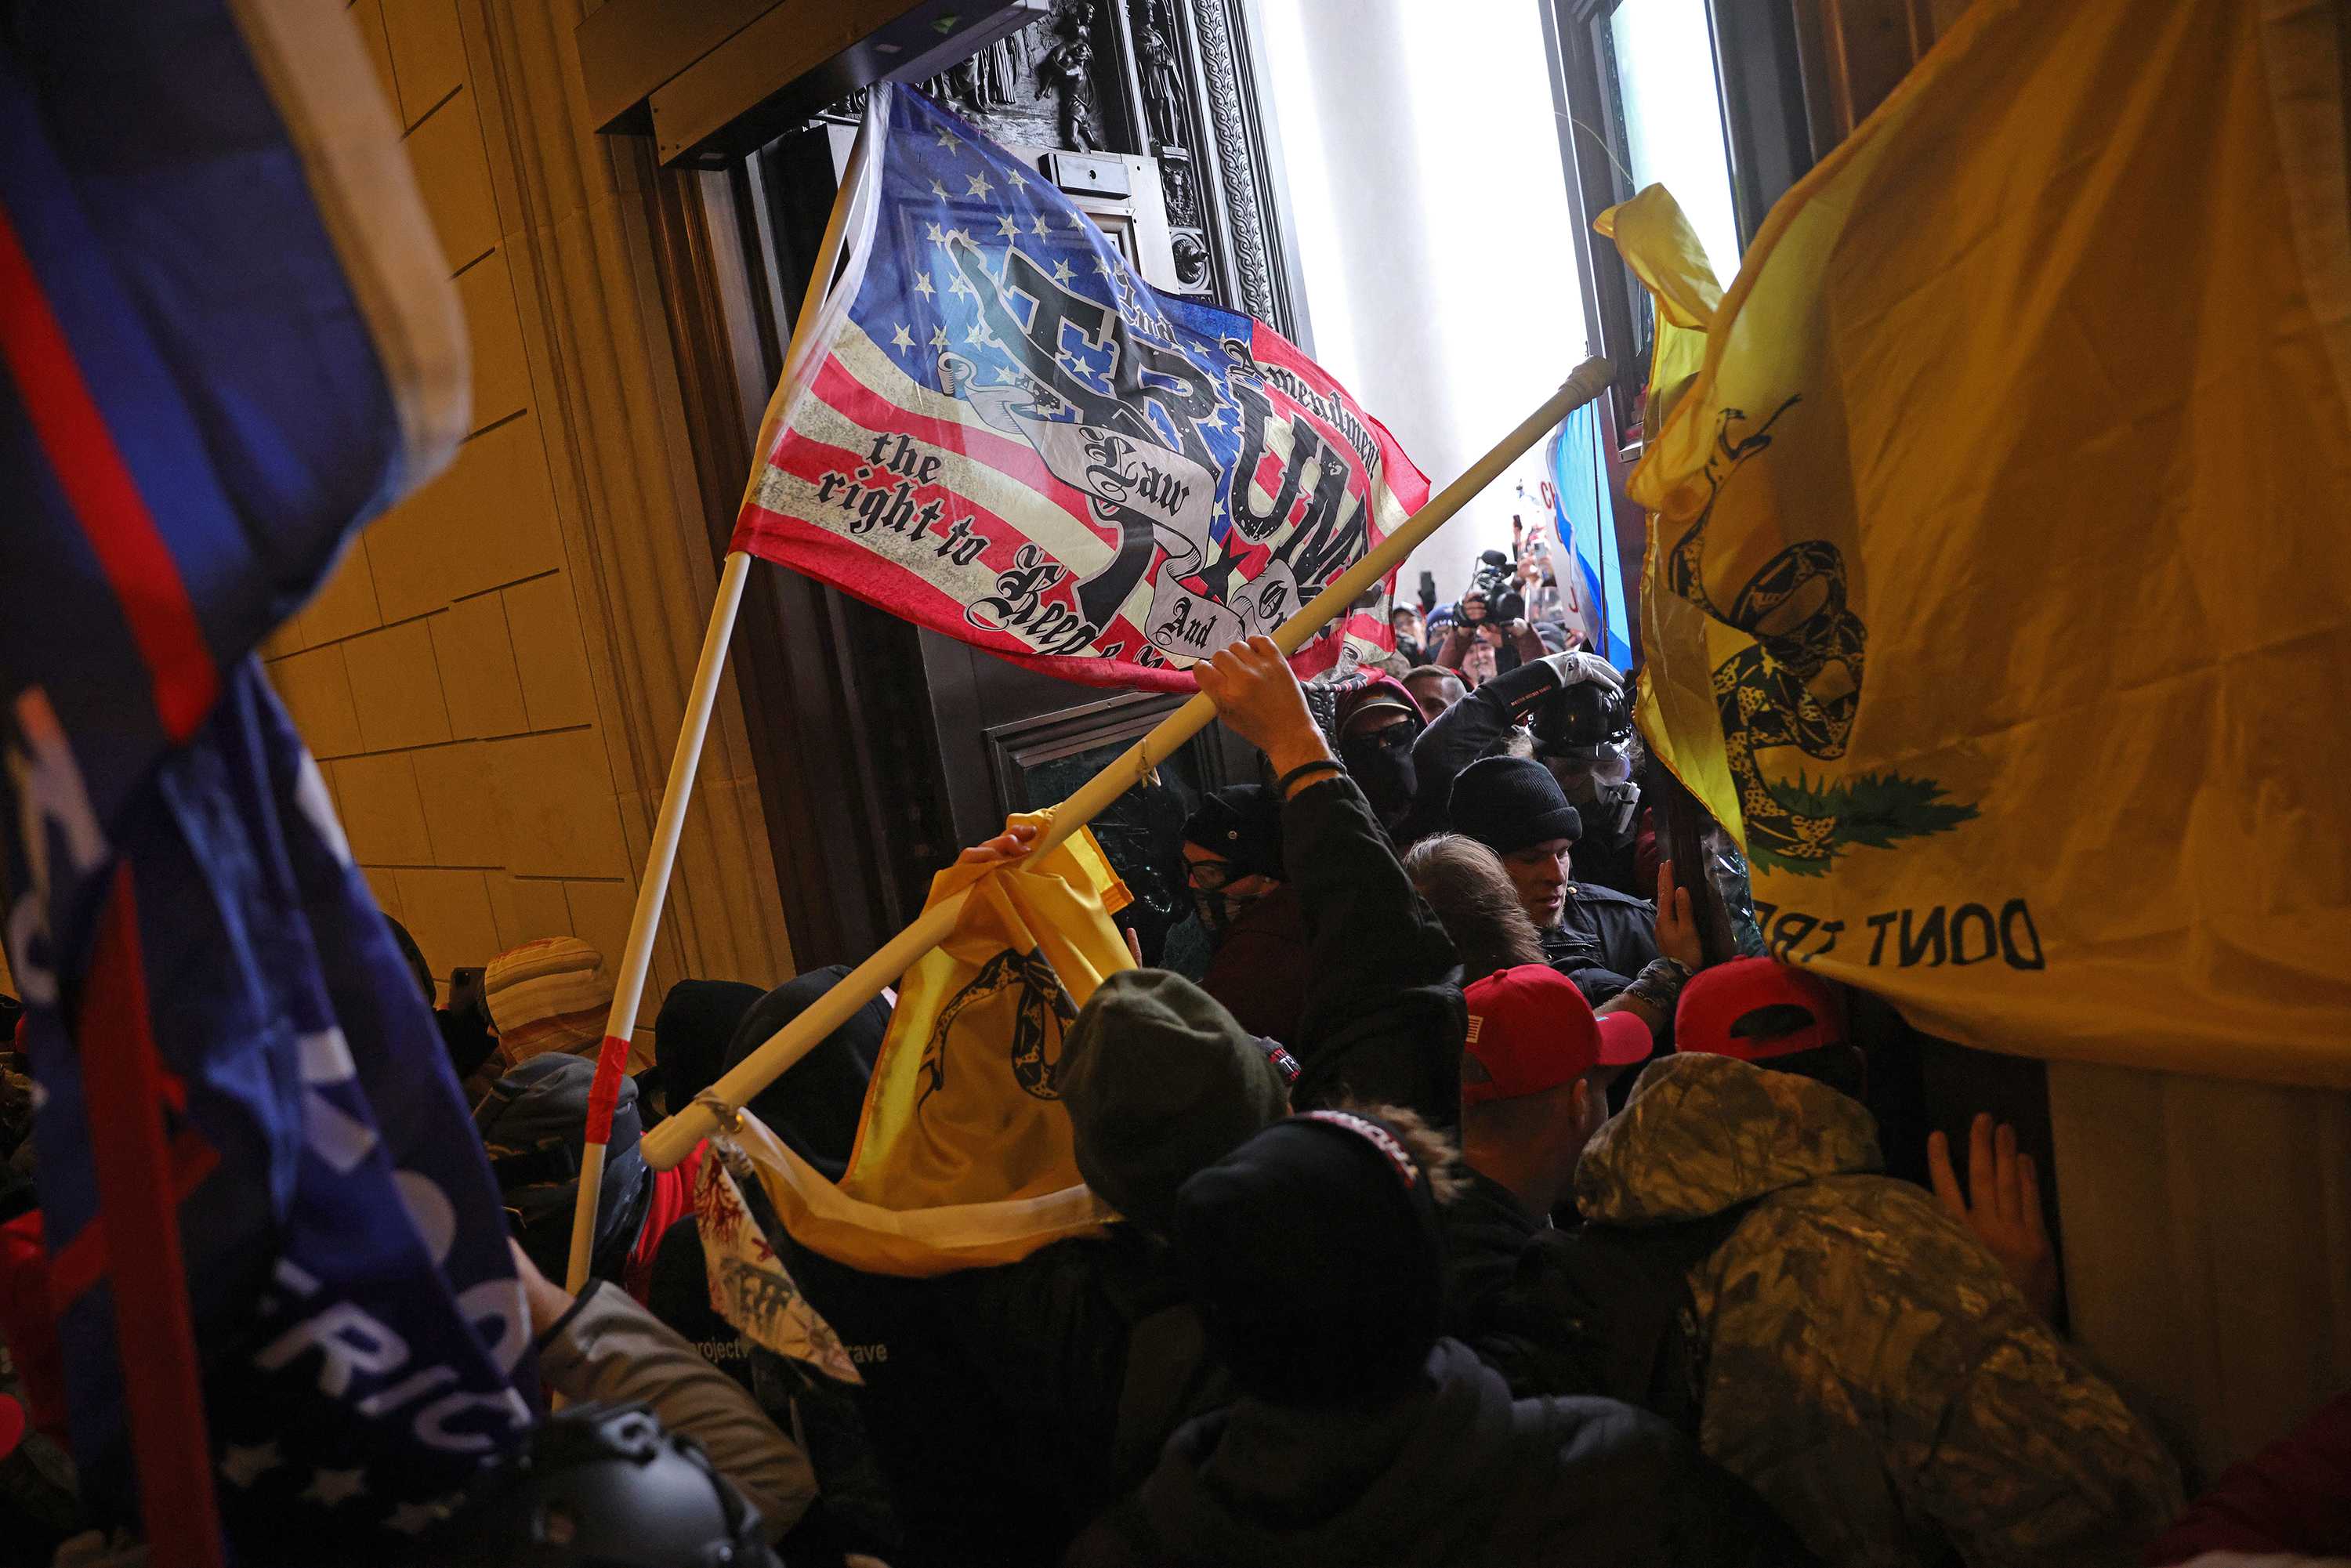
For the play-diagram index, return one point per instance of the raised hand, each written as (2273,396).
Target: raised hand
(2005,1213)
(1016,840)
(1573,668)
(1676,927)
(1260,700)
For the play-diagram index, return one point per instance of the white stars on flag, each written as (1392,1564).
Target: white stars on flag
(960,284)
(1061,273)
(415,1517)
(1017,182)
(923,285)
(938,190)
(1038,228)
(1008,226)
(947,139)
(902,338)
(938,337)
(931,232)
(333,1486)
(245,1463)
(978,183)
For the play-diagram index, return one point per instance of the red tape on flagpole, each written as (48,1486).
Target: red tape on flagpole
(604,1094)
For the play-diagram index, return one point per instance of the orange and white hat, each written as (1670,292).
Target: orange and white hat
(549,995)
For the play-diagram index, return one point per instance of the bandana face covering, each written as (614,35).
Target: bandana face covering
(1382,767)
(1218,908)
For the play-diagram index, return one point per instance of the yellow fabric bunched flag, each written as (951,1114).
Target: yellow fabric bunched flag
(964,1154)
(1656,241)
(1997,589)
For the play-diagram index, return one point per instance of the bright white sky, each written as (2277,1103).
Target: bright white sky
(1665,68)
(1431,219)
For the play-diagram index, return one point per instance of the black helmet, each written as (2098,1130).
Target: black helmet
(1582,718)
(602,1485)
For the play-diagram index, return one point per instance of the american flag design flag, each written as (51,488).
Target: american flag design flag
(995,429)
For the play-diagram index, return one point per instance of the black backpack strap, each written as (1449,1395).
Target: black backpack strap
(1666,1255)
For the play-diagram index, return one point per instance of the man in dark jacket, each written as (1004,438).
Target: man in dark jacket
(1594,935)
(1247,907)
(1552,1309)
(1316,1255)
(1575,713)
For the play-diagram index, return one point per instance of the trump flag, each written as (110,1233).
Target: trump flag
(993,427)
(288,1318)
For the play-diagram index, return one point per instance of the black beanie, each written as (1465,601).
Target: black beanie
(1244,825)
(1314,1254)
(1509,802)
(1160,1082)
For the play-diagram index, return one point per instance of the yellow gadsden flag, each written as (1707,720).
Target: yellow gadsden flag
(1998,586)
(963,1155)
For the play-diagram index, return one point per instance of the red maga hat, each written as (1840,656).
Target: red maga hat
(1530,1030)
(1716,1001)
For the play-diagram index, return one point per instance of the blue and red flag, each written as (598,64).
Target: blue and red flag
(1591,574)
(994,428)
(286,1309)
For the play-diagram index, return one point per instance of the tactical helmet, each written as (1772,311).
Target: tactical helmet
(602,1485)
(1580,719)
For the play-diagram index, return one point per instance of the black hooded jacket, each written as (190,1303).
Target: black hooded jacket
(1455,1473)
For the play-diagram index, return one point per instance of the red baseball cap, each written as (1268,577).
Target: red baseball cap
(1530,1030)
(1716,1001)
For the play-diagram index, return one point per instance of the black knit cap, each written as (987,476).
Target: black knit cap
(1509,802)
(1244,825)
(1314,1253)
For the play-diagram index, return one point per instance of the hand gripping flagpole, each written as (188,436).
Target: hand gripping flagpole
(687,1125)
(652,888)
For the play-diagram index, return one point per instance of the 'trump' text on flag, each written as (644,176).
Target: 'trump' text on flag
(1000,432)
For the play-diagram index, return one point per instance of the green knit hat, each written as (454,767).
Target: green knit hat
(1161,1082)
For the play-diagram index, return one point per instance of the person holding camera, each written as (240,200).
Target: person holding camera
(1491,637)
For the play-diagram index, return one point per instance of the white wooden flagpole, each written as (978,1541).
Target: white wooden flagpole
(652,891)
(629,987)
(687,1125)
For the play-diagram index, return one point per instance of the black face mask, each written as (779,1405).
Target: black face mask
(1381,765)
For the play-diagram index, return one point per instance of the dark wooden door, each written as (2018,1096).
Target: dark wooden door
(883,747)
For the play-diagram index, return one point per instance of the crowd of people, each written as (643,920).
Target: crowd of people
(1467,1216)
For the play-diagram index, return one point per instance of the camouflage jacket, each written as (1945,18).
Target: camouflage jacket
(1868,1368)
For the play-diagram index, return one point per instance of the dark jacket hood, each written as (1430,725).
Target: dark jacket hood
(1284,1487)
(1455,1474)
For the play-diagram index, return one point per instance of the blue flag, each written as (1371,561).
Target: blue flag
(227,340)
(1591,574)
